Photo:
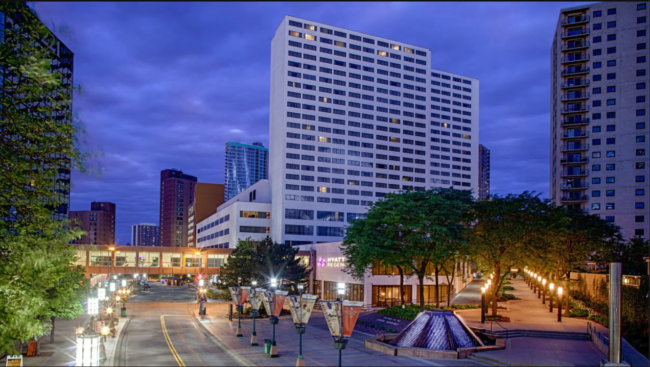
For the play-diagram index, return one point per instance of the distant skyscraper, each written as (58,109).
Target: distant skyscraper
(245,165)
(599,113)
(176,196)
(483,172)
(207,197)
(98,222)
(145,234)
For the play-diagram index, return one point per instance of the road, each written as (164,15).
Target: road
(161,332)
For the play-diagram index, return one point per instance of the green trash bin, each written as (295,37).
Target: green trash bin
(123,311)
(267,346)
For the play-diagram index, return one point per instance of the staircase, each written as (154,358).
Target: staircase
(507,334)
(486,361)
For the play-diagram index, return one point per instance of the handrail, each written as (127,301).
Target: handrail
(605,341)
(506,329)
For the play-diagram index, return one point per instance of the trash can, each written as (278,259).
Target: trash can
(267,346)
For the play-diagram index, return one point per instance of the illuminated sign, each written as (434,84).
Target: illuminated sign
(331,262)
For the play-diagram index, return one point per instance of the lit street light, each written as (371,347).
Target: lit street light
(539,286)
(544,291)
(550,297)
(559,304)
(483,305)
(341,343)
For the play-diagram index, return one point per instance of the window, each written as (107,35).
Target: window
(611,50)
(611,37)
(611,24)
(610,193)
(640,86)
(640,99)
(598,26)
(598,65)
(641,6)
(609,219)
(640,46)
(640,139)
(611,11)
(611,89)
(595,141)
(611,115)
(610,206)
(611,76)
(598,39)
(640,112)
(639,205)
(640,60)
(595,167)
(595,206)
(595,129)
(611,102)
(611,63)
(610,154)
(595,154)
(595,193)
(610,180)
(596,90)
(640,125)
(610,167)
(640,178)
(598,13)
(639,218)
(597,78)
(639,192)
(611,141)
(595,180)
(640,20)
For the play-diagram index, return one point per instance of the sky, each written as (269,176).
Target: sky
(168,84)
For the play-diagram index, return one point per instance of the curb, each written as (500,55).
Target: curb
(241,360)
(118,340)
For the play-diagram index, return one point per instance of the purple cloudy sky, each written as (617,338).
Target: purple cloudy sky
(166,85)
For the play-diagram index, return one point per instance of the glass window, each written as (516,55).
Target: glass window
(595,206)
(640,60)
(80,258)
(598,52)
(172,259)
(611,24)
(611,11)
(595,193)
(598,26)
(598,65)
(217,260)
(193,260)
(148,259)
(100,258)
(611,37)
(125,258)
(639,205)
(598,13)
(640,20)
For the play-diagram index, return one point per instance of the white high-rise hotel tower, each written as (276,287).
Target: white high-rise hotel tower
(353,117)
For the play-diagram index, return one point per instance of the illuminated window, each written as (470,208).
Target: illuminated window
(323,189)
(339,43)
(310,27)
(324,139)
(395,47)
(295,34)
(310,37)
(382,53)
(409,50)
(394,140)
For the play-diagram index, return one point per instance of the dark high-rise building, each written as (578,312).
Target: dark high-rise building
(62,61)
(176,197)
(483,172)
(207,197)
(245,165)
(145,234)
(98,222)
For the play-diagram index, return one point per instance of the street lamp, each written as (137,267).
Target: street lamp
(539,286)
(559,304)
(544,290)
(550,297)
(300,329)
(254,312)
(483,305)
(340,344)
(535,283)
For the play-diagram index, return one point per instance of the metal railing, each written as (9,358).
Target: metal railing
(576,33)
(575,173)
(582,19)
(577,83)
(579,199)
(581,134)
(574,160)
(578,186)
(491,327)
(576,58)
(576,46)
(582,121)
(583,70)
(591,330)
(574,97)
(566,148)
(578,109)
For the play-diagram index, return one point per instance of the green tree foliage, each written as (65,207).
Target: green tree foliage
(630,254)
(506,230)
(261,261)
(416,229)
(37,144)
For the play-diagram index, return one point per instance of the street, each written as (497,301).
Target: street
(162,325)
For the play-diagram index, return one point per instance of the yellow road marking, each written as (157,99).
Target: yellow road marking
(169,343)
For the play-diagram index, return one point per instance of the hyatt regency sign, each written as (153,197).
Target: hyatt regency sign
(331,262)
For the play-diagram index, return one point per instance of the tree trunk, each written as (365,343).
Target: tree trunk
(495,289)
(52,332)
(401,283)
(566,297)
(437,272)
(421,286)
(449,284)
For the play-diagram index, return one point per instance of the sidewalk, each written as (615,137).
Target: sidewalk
(63,351)
(318,346)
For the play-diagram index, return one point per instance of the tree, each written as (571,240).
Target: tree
(38,148)
(261,261)
(630,254)
(419,225)
(505,230)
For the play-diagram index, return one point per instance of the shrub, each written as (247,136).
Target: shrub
(503,297)
(576,312)
(507,288)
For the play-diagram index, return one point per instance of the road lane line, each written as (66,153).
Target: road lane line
(169,343)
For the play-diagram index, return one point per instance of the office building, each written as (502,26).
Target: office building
(483,172)
(245,165)
(207,197)
(599,113)
(145,234)
(176,196)
(98,223)
(355,116)
(61,61)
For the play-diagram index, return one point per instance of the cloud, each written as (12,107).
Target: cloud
(168,84)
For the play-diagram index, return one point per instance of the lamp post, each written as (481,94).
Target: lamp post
(539,286)
(93,309)
(543,291)
(532,282)
(340,345)
(550,297)
(483,305)
(300,329)
(240,308)
(559,304)
(273,320)
(254,306)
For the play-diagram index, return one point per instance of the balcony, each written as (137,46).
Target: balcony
(575,58)
(575,33)
(574,96)
(575,122)
(575,186)
(575,199)
(574,109)
(576,71)
(575,173)
(583,160)
(576,83)
(575,135)
(575,20)
(575,148)
(574,46)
